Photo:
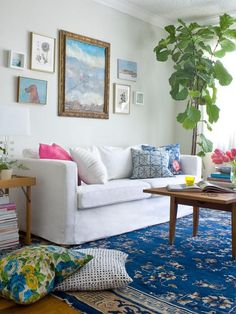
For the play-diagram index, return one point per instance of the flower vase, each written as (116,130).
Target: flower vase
(233,174)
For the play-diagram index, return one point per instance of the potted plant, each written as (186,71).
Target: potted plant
(6,168)
(195,51)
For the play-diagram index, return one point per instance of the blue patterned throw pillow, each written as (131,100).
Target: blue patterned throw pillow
(174,156)
(150,164)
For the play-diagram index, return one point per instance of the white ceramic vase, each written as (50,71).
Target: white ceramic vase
(6,174)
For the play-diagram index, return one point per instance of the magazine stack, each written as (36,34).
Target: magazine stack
(9,233)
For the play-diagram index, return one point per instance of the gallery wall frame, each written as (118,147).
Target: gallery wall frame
(32,91)
(121,95)
(138,98)
(16,60)
(84,74)
(127,70)
(42,57)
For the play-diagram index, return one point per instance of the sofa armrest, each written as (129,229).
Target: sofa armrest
(192,165)
(54,198)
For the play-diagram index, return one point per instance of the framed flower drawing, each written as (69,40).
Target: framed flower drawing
(121,98)
(42,53)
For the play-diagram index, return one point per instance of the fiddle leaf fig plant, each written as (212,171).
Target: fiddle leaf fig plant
(195,51)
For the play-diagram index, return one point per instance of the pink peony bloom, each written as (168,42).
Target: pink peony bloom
(233,152)
(219,157)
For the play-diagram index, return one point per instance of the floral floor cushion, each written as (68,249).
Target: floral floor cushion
(28,274)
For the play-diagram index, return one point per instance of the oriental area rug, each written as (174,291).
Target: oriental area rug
(195,275)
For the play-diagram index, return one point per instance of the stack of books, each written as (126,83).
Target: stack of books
(220,176)
(9,233)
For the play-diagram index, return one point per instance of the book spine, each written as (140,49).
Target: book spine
(8,206)
(220,175)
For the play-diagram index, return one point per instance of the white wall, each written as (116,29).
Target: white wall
(130,39)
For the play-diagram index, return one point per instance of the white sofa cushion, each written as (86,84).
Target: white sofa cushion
(114,191)
(91,168)
(117,161)
(161,182)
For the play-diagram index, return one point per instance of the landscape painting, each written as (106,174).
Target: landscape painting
(83,76)
(32,91)
(127,70)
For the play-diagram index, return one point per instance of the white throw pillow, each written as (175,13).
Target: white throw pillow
(105,271)
(30,153)
(117,160)
(90,167)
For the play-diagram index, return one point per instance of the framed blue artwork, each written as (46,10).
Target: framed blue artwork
(32,91)
(84,65)
(126,70)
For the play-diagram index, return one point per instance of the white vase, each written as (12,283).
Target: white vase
(6,174)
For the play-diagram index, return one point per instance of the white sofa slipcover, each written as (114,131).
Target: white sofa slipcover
(65,213)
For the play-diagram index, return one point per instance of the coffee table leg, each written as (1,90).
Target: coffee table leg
(173,214)
(195,220)
(233,222)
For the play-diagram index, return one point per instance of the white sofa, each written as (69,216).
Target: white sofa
(65,213)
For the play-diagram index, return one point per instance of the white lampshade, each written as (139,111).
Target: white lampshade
(14,121)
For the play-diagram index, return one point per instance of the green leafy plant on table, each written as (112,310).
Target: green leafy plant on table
(195,51)
(6,164)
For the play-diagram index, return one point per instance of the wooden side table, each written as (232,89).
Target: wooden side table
(25,184)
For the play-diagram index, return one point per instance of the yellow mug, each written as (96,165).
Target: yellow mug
(189,180)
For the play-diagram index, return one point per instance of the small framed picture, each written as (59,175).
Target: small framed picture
(32,91)
(42,53)
(126,70)
(121,98)
(16,60)
(138,98)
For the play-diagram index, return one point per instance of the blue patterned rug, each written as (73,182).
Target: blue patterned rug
(196,275)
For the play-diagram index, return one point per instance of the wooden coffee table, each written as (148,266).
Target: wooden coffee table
(218,201)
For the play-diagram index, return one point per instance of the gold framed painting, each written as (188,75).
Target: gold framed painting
(84,66)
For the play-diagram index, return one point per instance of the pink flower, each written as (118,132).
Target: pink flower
(233,152)
(229,154)
(218,156)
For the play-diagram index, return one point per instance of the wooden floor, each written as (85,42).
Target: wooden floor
(47,305)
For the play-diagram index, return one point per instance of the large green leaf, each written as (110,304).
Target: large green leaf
(181,117)
(162,55)
(170,29)
(183,43)
(231,33)
(193,26)
(213,113)
(193,117)
(205,47)
(226,21)
(175,56)
(221,74)
(227,45)
(189,118)
(219,53)
(205,144)
(179,94)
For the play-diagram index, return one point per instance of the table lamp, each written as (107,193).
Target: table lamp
(13,121)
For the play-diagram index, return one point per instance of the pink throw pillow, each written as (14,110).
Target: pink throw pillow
(53,151)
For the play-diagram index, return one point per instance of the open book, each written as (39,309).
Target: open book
(203,186)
